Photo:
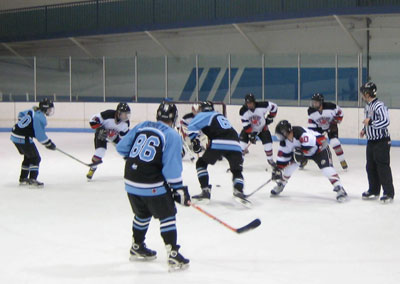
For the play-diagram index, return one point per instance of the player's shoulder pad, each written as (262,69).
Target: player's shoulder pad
(298,131)
(188,115)
(311,110)
(243,109)
(263,104)
(107,114)
(329,105)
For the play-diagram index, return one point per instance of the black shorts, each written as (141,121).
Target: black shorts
(333,131)
(265,136)
(28,149)
(160,206)
(323,159)
(234,158)
(99,143)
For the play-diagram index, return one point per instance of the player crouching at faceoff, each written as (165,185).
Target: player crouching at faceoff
(297,144)
(110,126)
(32,123)
(153,181)
(325,117)
(224,142)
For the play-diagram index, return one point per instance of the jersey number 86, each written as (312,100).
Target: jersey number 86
(145,147)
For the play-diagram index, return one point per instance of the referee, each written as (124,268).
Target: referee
(378,147)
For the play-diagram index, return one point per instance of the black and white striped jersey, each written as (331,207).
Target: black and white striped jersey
(378,114)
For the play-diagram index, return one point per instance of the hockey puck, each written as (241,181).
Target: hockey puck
(218,185)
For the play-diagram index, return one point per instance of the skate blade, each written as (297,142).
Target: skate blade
(36,186)
(142,258)
(341,199)
(387,201)
(203,201)
(244,202)
(177,267)
(372,197)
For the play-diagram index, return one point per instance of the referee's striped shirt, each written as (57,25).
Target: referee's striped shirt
(379,115)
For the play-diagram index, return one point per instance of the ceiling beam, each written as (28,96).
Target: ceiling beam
(13,51)
(346,30)
(163,47)
(236,26)
(84,49)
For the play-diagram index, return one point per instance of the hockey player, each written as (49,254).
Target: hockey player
(182,128)
(297,144)
(31,124)
(325,117)
(110,126)
(224,142)
(256,116)
(153,180)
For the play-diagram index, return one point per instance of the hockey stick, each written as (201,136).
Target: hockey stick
(258,188)
(252,225)
(72,157)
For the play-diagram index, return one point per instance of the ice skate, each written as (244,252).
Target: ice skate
(23,181)
(141,252)
(385,199)
(35,183)
(277,189)
(239,196)
(344,165)
(369,196)
(90,174)
(204,196)
(176,261)
(341,194)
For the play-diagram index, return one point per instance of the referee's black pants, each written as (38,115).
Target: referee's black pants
(378,167)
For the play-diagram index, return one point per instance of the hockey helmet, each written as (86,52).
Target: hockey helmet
(123,111)
(167,112)
(282,129)
(249,98)
(317,100)
(46,105)
(369,88)
(206,106)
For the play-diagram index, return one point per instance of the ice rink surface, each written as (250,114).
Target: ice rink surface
(74,231)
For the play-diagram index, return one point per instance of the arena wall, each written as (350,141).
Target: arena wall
(74,117)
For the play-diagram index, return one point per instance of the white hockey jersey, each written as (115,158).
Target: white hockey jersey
(107,120)
(308,141)
(254,121)
(321,121)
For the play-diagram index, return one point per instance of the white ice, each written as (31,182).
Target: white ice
(74,231)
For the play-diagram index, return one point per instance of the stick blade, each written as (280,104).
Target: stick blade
(251,226)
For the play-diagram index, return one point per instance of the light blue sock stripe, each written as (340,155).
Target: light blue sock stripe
(142,220)
(167,219)
(140,228)
(167,229)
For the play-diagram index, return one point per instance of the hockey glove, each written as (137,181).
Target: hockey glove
(102,133)
(181,196)
(50,145)
(253,137)
(196,145)
(277,174)
(299,156)
(269,120)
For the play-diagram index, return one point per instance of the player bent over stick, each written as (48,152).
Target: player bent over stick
(153,180)
(110,126)
(224,142)
(296,145)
